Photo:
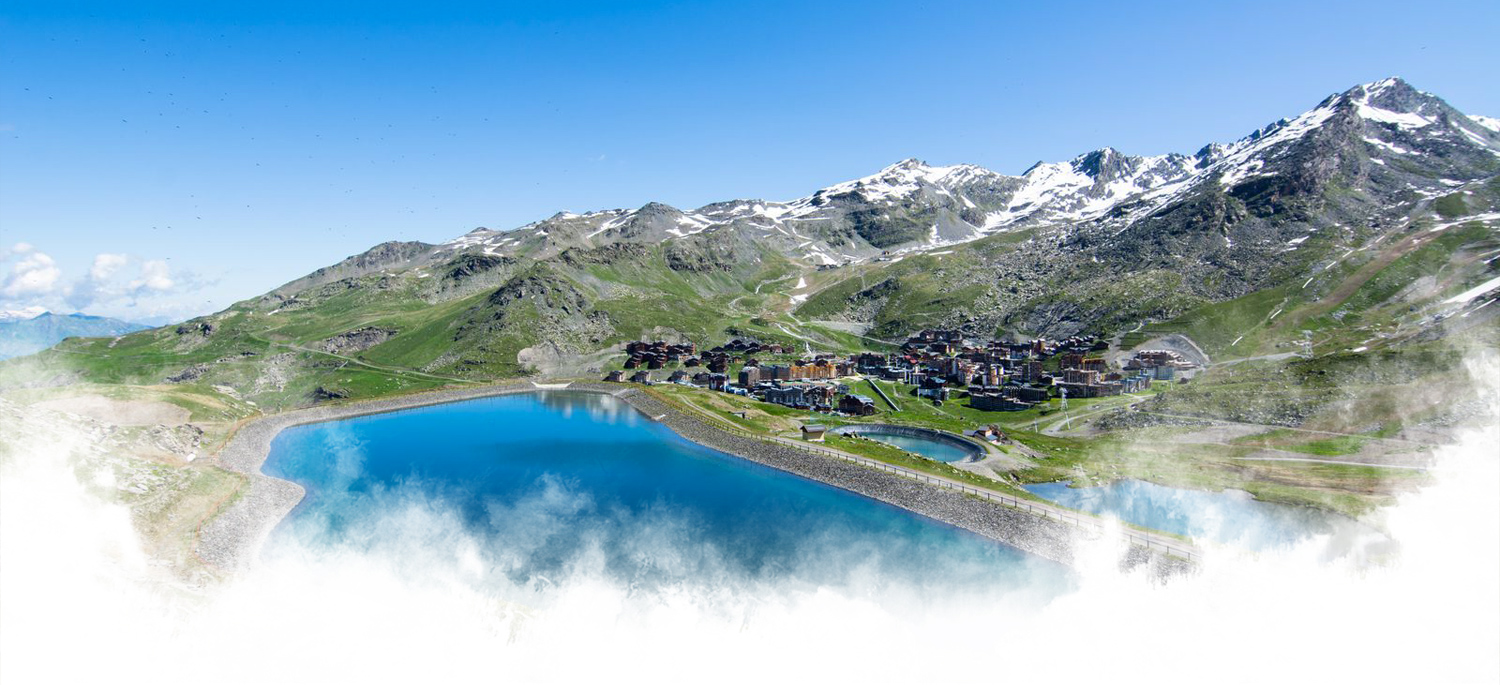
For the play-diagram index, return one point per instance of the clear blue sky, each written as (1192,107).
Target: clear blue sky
(225,150)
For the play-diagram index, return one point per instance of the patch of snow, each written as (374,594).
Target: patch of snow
(1387,146)
(1466,314)
(1474,292)
(1492,216)
(1404,120)
(1490,123)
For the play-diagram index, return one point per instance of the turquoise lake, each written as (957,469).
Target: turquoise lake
(557,483)
(1230,516)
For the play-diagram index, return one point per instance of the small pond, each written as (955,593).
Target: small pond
(930,444)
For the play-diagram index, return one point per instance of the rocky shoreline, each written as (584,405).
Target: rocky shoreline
(231,540)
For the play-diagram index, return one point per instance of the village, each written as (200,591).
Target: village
(940,366)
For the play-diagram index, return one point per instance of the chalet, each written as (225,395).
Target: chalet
(718,381)
(857,405)
(819,395)
(641,377)
(933,388)
(990,433)
(678,376)
(895,373)
(702,379)
(615,376)
(749,376)
(816,369)
(787,396)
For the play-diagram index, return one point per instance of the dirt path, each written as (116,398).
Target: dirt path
(394,370)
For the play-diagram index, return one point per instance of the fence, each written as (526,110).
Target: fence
(1048,512)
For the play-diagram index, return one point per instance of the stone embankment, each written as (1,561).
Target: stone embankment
(1048,539)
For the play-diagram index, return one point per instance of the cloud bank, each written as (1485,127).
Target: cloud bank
(82,603)
(117,284)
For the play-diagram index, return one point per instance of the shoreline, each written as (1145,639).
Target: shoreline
(231,541)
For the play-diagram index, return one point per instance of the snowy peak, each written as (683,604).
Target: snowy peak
(1392,101)
(914,205)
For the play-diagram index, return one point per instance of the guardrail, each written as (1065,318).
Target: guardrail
(1082,521)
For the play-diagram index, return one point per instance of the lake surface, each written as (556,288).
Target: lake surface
(1230,516)
(932,449)
(527,489)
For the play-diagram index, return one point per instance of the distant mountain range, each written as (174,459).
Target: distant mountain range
(32,330)
(1105,243)
(913,205)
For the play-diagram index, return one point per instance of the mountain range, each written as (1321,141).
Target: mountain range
(1209,243)
(32,330)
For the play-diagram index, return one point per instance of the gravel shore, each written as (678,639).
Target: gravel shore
(231,541)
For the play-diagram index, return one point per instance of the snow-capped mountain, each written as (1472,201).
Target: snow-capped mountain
(1099,242)
(913,205)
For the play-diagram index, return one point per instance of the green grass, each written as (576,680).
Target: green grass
(1451,206)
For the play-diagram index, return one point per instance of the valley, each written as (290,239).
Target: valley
(1334,271)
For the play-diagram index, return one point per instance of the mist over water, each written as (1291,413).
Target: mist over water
(537,488)
(1230,517)
(82,603)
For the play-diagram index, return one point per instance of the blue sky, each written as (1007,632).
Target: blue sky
(215,152)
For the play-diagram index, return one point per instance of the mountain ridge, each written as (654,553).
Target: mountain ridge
(1101,244)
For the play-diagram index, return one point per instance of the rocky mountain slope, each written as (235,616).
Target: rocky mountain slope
(1105,242)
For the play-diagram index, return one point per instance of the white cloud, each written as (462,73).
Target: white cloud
(36,275)
(19,248)
(106,264)
(155,275)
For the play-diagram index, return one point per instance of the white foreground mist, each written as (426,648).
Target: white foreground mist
(79,602)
